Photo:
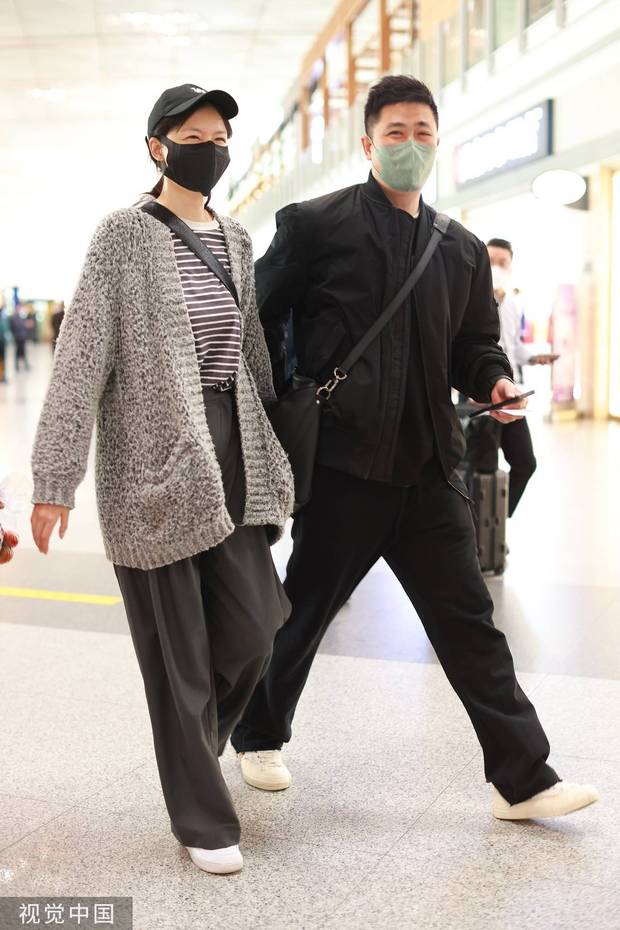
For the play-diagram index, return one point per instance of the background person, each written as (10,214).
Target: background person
(56,322)
(4,331)
(20,333)
(514,438)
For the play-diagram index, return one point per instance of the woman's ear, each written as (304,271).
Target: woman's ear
(157,149)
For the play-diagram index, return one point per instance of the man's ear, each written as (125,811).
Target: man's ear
(366,144)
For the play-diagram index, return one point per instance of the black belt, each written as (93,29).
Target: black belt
(220,386)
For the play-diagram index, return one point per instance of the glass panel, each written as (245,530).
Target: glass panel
(337,64)
(429,59)
(538,8)
(317,125)
(451,37)
(476,31)
(614,322)
(506,21)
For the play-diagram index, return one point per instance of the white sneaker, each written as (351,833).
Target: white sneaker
(562,798)
(265,769)
(217,861)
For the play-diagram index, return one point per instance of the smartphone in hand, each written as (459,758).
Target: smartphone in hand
(503,403)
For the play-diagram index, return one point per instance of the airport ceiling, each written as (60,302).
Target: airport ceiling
(77,81)
(73,69)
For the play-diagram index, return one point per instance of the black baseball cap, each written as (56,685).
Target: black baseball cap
(177,100)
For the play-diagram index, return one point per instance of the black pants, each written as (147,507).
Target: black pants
(427,537)
(20,355)
(516,444)
(203,631)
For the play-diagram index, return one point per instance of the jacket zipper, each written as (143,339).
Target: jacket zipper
(454,488)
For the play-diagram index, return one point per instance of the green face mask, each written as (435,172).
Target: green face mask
(406,166)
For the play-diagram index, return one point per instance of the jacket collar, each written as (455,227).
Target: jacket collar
(373,191)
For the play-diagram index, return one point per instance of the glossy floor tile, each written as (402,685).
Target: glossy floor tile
(387,825)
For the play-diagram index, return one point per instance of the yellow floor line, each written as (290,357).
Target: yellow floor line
(39,595)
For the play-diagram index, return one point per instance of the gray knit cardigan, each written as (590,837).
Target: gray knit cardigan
(126,356)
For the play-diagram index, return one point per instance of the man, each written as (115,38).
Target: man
(515,439)
(385,482)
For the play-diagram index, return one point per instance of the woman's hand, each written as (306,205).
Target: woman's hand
(504,390)
(44,519)
(8,541)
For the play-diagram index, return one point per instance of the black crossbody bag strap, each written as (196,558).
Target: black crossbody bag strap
(193,242)
(440,226)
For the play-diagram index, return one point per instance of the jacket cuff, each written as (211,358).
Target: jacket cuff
(53,491)
(490,380)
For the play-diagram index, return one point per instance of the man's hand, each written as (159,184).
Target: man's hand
(504,390)
(8,541)
(543,359)
(44,519)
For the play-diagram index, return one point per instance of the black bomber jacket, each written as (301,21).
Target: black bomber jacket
(333,265)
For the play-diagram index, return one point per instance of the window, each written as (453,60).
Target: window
(451,39)
(538,8)
(476,31)
(614,321)
(506,21)
(429,60)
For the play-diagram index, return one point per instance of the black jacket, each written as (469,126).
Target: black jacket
(336,261)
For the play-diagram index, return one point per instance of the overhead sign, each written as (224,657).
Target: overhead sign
(522,139)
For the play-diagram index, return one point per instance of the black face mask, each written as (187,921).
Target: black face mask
(196,166)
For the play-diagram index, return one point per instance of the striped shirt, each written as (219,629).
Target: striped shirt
(213,313)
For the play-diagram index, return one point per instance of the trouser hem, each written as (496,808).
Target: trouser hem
(256,745)
(221,840)
(547,779)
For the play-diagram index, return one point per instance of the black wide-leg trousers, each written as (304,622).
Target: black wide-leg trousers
(426,535)
(203,630)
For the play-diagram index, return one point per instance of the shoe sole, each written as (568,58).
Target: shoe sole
(263,787)
(218,870)
(559,813)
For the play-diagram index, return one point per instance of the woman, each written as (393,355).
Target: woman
(192,484)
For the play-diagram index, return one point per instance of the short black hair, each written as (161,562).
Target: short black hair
(396,88)
(501,244)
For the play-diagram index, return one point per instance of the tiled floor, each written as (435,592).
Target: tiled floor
(387,824)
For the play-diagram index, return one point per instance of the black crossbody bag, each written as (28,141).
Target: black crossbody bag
(296,415)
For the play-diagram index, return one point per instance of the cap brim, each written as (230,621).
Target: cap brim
(225,105)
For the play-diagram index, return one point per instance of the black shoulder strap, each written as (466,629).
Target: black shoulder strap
(440,227)
(193,242)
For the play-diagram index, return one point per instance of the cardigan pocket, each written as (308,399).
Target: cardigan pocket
(167,495)
(178,463)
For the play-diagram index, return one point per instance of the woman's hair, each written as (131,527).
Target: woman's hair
(166,125)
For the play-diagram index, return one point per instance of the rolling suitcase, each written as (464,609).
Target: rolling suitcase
(490,496)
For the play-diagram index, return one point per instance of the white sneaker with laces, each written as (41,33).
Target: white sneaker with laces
(217,861)
(562,798)
(265,769)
